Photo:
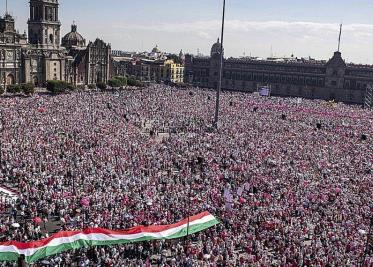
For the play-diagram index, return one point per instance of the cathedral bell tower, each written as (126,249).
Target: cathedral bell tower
(44,25)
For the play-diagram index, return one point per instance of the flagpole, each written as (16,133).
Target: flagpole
(218,91)
(369,241)
(192,167)
(339,39)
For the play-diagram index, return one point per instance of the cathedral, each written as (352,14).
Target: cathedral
(40,55)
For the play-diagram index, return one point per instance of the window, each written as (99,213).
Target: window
(334,83)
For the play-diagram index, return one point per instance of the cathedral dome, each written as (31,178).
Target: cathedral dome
(215,49)
(156,50)
(73,38)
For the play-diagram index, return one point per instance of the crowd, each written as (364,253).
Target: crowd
(290,180)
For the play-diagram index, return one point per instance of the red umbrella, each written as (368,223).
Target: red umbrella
(37,220)
(41,110)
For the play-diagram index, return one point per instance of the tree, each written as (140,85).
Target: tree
(57,87)
(114,83)
(92,86)
(101,86)
(133,82)
(28,88)
(2,91)
(81,87)
(14,89)
(122,79)
(71,87)
(117,81)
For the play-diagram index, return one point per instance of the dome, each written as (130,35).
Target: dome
(156,50)
(73,38)
(215,49)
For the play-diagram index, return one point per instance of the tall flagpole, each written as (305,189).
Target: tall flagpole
(218,91)
(339,39)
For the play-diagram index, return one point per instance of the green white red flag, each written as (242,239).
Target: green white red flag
(64,241)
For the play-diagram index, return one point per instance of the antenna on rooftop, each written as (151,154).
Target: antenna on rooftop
(339,39)
(271,51)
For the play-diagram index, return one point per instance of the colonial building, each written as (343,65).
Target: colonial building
(42,57)
(332,79)
(87,64)
(155,66)
(11,43)
(172,72)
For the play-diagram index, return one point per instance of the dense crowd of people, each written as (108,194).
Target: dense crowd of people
(289,179)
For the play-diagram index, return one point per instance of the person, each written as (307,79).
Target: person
(285,192)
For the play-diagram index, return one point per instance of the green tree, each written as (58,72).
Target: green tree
(117,81)
(92,86)
(101,86)
(57,87)
(122,79)
(133,82)
(114,83)
(14,89)
(28,88)
(81,87)
(2,91)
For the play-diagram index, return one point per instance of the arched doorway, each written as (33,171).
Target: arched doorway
(9,79)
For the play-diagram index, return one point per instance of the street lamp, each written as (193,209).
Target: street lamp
(218,91)
(1,136)
(192,165)
(4,82)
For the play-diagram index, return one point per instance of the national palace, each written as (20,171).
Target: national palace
(333,79)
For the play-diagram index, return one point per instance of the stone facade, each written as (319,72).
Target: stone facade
(89,64)
(11,43)
(98,65)
(42,57)
(333,79)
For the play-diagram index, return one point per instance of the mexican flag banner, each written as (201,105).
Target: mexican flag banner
(64,241)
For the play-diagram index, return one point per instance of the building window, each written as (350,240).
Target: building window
(334,83)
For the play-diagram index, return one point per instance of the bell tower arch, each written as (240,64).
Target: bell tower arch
(44,25)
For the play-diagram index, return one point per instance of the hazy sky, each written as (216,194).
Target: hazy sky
(302,27)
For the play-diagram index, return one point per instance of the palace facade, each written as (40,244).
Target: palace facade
(42,56)
(328,80)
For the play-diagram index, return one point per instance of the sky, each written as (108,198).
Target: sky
(259,28)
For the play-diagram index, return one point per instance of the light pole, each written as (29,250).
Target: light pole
(218,91)
(5,83)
